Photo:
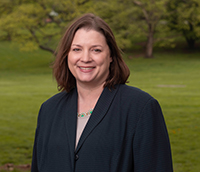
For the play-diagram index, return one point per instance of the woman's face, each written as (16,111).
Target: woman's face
(89,57)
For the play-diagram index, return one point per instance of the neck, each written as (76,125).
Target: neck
(88,96)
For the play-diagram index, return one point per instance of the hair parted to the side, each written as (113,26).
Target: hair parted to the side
(119,71)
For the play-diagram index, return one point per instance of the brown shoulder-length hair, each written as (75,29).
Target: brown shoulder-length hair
(119,71)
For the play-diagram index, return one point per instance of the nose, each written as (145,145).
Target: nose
(86,56)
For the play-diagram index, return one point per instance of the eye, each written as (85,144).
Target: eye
(96,50)
(76,49)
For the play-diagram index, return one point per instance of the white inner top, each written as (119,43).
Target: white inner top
(81,122)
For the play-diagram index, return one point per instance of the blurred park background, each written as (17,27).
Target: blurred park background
(161,44)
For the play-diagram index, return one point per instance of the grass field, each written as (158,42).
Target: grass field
(172,78)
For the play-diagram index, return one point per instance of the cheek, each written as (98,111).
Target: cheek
(70,63)
(71,60)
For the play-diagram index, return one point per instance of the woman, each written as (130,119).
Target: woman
(97,123)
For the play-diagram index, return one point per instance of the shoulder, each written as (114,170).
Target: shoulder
(54,105)
(138,102)
(130,92)
(58,99)
(135,98)
(60,96)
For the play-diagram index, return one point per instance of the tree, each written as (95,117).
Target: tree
(6,8)
(118,14)
(39,23)
(151,11)
(131,21)
(184,17)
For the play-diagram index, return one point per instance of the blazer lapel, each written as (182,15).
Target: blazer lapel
(71,121)
(98,113)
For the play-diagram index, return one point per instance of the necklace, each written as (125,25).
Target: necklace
(84,114)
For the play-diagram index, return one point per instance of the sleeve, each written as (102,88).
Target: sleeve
(151,146)
(34,165)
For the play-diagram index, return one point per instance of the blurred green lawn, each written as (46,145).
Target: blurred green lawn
(172,78)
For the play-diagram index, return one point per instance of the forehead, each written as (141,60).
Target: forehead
(89,35)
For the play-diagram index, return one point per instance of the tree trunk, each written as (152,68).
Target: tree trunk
(191,43)
(190,36)
(149,45)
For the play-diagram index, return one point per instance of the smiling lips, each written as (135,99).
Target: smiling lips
(86,69)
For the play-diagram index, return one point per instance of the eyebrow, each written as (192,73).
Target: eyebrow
(92,45)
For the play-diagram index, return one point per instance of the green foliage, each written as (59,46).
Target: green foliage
(152,19)
(34,24)
(118,15)
(184,17)
(37,24)
(131,20)
(7,6)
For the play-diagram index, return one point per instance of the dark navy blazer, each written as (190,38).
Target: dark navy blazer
(125,133)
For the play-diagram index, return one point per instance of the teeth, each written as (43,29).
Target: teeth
(86,68)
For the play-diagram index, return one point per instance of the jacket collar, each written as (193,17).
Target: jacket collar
(98,113)
(71,120)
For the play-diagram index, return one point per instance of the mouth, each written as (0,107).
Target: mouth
(86,68)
